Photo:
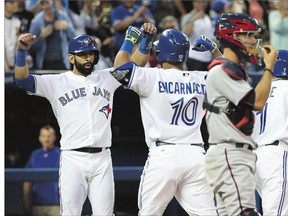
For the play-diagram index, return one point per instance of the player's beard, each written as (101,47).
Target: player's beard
(85,71)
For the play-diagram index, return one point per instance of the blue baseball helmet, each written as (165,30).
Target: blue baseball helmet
(172,46)
(281,65)
(83,43)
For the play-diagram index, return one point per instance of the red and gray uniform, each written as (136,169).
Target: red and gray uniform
(230,158)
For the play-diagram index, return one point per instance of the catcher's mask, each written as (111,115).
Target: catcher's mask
(228,29)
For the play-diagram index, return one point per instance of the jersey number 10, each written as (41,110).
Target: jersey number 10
(185,112)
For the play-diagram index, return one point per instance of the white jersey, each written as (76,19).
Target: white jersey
(171,103)
(269,125)
(82,106)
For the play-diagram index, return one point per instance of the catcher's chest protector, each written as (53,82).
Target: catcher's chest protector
(241,116)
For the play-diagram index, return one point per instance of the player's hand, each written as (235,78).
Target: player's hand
(203,43)
(133,34)
(24,41)
(148,33)
(269,56)
(149,28)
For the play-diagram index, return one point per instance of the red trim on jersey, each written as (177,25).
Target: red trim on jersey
(215,62)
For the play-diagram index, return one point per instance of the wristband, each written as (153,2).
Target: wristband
(267,69)
(146,43)
(127,46)
(21,58)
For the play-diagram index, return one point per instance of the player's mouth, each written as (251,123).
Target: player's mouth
(87,65)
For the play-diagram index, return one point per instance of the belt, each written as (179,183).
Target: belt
(276,142)
(160,143)
(239,145)
(90,149)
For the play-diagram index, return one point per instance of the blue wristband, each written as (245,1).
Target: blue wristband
(127,46)
(21,58)
(146,43)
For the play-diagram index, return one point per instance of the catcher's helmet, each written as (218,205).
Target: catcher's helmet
(172,46)
(83,43)
(281,65)
(227,29)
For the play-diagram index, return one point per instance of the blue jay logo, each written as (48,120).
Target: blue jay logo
(106,110)
(86,41)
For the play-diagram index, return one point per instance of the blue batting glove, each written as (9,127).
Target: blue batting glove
(202,43)
(133,34)
(146,41)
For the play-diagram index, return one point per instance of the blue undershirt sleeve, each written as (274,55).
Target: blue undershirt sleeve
(27,84)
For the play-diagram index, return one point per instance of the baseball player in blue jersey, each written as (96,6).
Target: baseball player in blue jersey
(82,101)
(230,101)
(171,110)
(271,134)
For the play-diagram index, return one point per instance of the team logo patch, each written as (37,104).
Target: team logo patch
(86,41)
(106,110)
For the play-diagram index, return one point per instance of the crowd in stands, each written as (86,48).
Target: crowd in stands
(55,22)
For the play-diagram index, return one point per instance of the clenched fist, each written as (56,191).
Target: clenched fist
(25,40)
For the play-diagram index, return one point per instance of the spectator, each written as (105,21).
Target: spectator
(128,13)
(43,198)
(217,8)
(82,16)
(278,25)
(103,62)
(104,31)
(161,8)
(35,5)
(195,24)
(169,22)
(12,26)
(54,30)
(238,6)
(182,7)
(24,16)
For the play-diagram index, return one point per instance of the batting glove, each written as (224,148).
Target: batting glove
(146,42)
(133,34)
(203,43)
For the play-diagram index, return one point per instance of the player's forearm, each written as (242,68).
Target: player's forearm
(21,69)
(121,58)
(262,90)
(140,58)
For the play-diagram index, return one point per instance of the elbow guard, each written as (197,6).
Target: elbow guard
(123,73)
(27,84)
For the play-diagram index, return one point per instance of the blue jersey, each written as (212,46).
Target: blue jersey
(119,14)
(45,193)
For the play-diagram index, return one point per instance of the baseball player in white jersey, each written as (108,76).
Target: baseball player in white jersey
(271,134)
(82,101)
(230,101)
(171,110)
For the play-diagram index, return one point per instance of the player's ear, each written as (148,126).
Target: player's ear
(71,58)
